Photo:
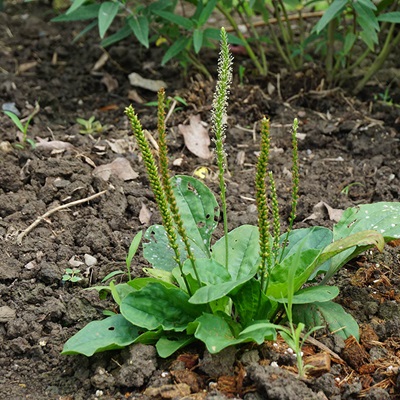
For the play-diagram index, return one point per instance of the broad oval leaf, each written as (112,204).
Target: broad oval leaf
(107,12)
(109,334)
(328,314)
(206,294)
(156,306)
(198,209)
(311,294)
(243,251)
(210,271)
(169,344)
(215,332)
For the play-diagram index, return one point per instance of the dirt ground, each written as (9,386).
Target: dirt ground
(349,154)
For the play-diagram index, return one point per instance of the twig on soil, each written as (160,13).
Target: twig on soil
(52,211)
(321,346)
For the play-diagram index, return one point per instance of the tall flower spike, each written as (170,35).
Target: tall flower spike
(218,116)
(276,224)
(295,173)
(156,186)
(166,182)
(262,203)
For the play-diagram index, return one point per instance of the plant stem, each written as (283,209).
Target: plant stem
(246,45)
(389,44)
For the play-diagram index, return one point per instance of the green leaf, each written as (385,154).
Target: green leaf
(160,274)
(109,334)
(107,13)
(83,13)
(207,11)
(75,5)
(311,294)
(198,209)
(197,40)
(175,19)
(329,314)
(169,344)
(84,31)
(215,34)
(156,306)
(303,263)
(140,27)
(15,120)
(393,17)
(111,275)
(367,4)
(206,294)
(384,217)
(244,248)
(366,18)
(336,7)
(133,248)
(175,49)
(216,333)
(251,303)
(122,33)
(209,270)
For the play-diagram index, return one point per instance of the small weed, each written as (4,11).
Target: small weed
(90,126)
(347,188)
(72,275)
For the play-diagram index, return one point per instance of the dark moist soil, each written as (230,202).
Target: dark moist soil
(349,154)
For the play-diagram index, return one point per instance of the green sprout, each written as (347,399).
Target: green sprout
(72,275)
(90,126)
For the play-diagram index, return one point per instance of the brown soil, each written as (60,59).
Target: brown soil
(347,140)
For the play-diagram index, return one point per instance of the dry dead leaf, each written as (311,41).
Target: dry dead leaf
(196,137)
(110,83)
(133,95)
(321,209)
(120,168)
(100,62)
(144,215)
(52,145)
(149,84)
(26,66)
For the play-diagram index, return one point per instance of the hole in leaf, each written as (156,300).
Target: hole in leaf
(201,224)
(208,216)
(111,328)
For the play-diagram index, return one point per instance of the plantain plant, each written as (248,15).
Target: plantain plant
(245,286)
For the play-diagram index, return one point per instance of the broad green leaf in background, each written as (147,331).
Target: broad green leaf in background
(122,33)
(393,17)
(366,18)
(311,294)
(336,7)
(198,209)
(244,251)
(140,27)
(109,334)
(107,12)
(82,14)
(156,306)
(197,40)
(328,314)
(175,19)
(75,5)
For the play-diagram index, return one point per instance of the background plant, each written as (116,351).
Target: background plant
(349,35)
(243,287)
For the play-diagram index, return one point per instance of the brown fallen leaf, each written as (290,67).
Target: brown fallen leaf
(321,209)
(26,67)
(144,215)
(110,82)
(52,145)
(149,84)
(196,137)
(120,168)
(101,62)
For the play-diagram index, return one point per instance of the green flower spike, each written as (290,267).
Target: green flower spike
(219,108)
(262,203)
(156,186)
(166,182)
